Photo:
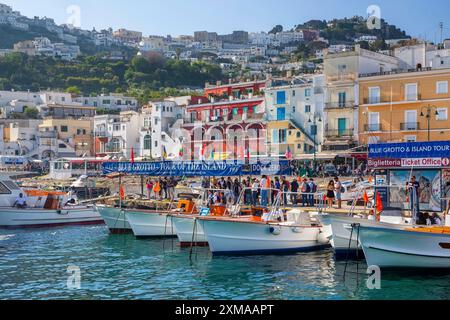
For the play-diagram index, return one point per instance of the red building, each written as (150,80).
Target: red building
(231,126)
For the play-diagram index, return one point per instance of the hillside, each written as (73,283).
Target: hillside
(344,31)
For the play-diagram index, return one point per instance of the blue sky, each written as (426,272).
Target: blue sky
(175,17)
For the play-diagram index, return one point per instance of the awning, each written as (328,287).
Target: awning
(319,156)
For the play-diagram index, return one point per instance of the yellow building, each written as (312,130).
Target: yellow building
(404,106)
(283,134)
(77,133)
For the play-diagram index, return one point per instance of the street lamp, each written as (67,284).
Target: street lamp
(315,118)
(429,109)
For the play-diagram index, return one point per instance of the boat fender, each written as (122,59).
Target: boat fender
(297,230)
(62,213)
(276,231)
(322,238)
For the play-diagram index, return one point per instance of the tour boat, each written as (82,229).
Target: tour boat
(248,236)
(115,219)
(344,240)
(43,209)
(418,247)
(189,230)
(265,233)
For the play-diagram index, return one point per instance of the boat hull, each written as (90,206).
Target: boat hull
(41,218)
(237,238)
(392,248)
(185,226)
(150,224)
(115,219)
(345,242)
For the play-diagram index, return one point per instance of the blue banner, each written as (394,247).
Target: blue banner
(438,149)
(198,168)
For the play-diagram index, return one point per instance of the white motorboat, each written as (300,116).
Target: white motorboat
(269,234)
(189,230)
(149,223)
(427,247)
(42,208)
(115,219)
(344,240)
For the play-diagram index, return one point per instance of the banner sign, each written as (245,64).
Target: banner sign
(198,168)
(437,149)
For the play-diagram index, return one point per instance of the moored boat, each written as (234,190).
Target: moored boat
(40,208)
(115,219)
(419,247)
(266,234)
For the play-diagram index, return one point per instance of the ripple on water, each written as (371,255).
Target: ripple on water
(34,266)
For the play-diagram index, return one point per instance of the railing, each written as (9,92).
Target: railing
(339,133)
(396,71)
(47,135)
(373,127)
(342,77)
(409,126)
(340,105)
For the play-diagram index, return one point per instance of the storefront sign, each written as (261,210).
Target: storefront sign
(384,163)
(438,149)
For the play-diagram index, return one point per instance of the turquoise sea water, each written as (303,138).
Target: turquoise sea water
(33,265)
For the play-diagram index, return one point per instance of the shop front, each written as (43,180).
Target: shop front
(395,164)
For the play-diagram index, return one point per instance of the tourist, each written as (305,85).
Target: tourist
(338,191)
(330,194)
(157,189)
(21,202)
(285,187)
(294,189)
(264,185)
(305,192)
(229,184)
(414,196)
(149,188)
(255,190)
(246,184)
(312,191)
(236,188)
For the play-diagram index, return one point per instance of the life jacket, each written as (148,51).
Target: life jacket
(157,187)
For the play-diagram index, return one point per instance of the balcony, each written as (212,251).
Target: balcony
(375,127)
(47,134)
(339,133)
(342,77)
(409,126)
(340,105)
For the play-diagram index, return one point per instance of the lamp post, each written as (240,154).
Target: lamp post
(429,109)
(314,120)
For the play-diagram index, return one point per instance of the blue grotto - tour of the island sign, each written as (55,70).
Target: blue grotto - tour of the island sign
(198,168)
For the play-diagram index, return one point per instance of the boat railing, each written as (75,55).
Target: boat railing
(318,199)
(249,192)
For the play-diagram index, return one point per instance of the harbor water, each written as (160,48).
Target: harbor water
(34,265)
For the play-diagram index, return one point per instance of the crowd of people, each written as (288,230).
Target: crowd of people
(264,191)
(162,188)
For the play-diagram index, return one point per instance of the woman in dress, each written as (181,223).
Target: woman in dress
(330,194)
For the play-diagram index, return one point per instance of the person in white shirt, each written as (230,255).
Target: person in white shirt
(21,202)
(264,191)
(255,196)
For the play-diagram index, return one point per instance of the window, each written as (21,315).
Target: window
(282,136)
(374,95)
(307,93)
(410,120)
(281,97)
(411,92)
(293,109)
(293,93)
(106,102)
(147,142)
(342,96)
(4,189)
(299,147)
(116,127)
(374,121)
(63,99)
(299,134)
(442,114)
(64,129)
(307,109)
(410,138)
(442,87)
(164,108)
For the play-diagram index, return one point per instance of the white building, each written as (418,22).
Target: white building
(110,102)
(153,43)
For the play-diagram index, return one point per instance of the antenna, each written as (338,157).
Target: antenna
(441,26)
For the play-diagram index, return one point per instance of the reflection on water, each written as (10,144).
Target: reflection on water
(33,265)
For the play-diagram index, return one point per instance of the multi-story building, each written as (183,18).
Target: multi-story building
(342,93)
(153,43)
(230,126)
(74,133)
(117,135)
(113,101)
(294,111)
(404,106)
(128,36)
